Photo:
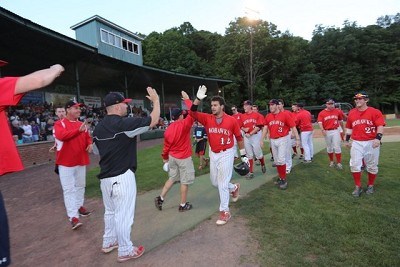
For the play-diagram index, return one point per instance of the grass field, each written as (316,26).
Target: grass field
(317,222)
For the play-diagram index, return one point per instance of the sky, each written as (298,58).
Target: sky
(299,17)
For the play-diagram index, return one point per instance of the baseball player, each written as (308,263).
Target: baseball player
(254,108)
(278,124)
(60,113)
(303,122)
(72,158)
(200,136)
(329,121)
(221,129)
(238,116)
(295,111)
(251,124)
(291,138)
(12,90)
(365,127)
(177,152)
(115,138)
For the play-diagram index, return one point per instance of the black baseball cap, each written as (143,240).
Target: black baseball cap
(247,102)
(115,98)
(274,101)
(175,113)
(73,103)
(330,101)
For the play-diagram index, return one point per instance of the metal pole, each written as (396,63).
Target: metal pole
(251,64)
(78,88)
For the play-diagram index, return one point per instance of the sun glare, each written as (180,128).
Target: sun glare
(252,9)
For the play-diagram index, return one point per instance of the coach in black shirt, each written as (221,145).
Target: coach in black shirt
(115,140)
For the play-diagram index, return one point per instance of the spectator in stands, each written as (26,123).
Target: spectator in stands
(17,131)
(49,130)
(35,131)
(27,135)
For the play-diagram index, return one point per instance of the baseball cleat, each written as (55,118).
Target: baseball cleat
(224,217)
(263,169)
(283,184)
(332,164)
(370,190)
(110,248)
(75,223)
(249,176)
(84,212)
(235,193)
(357,191)
(339,166)
(135,253)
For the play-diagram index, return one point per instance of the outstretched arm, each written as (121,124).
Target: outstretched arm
(38,79)
(155,114)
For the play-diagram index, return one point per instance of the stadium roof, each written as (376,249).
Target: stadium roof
(28,46)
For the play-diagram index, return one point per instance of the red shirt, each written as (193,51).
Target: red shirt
(364,123)
(220,135)
(10,160)
(330,118)
(238,117)
(279,124)
(74,143)
(303,120)
(177,138)
(251,120)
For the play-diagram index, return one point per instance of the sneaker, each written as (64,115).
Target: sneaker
(187,206)
(332,164)
(283,184)
(307,161)
(287,171)
(301,157)
(357,191)
(110,248)
(249,176)
(84,212)
(339,166)
(263,169)
(75,223)
(224,217)
(158,202)
(370,190)
(136,253)
(235,193)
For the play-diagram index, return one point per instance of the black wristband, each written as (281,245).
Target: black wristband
(198,98)
(348,137)
(379,136)
(194,107)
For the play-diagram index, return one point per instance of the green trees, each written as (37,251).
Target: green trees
(335,63)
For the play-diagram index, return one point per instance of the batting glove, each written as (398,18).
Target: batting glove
(201,93)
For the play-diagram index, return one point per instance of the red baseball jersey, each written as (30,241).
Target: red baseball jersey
(220,131)
(303,120)
(177,137)
(364,123)
(10,160)
(330,118)
(238,117)
(74,143)
(279,124)
(251,120)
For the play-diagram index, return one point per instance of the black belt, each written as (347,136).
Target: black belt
(220,151)
(331,129)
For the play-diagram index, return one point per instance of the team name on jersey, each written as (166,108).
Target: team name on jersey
(250,121)
(362,121)
(217,130)
(276,123)
(331,117)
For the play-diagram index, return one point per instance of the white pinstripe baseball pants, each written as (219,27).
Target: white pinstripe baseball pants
(363,150)
(307,143)
(332,139)
(119,198)
(221,167)
(289,161)
(73,182)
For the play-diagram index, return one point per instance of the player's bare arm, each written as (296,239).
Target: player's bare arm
(296,135)
(38,79)
(322,128)
(155,100)
(185,96)
(378,138)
